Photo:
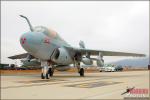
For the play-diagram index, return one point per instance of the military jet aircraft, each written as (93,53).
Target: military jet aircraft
(52,51)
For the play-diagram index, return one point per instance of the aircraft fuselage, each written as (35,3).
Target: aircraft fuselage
(42,42)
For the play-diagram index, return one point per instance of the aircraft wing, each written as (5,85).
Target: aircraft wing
(104,53)
(20,56)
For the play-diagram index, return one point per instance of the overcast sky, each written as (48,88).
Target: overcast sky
(103,25)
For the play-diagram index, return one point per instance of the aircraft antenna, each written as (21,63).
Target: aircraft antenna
(31,28)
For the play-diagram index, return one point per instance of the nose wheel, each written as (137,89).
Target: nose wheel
(42,76)
(48,74)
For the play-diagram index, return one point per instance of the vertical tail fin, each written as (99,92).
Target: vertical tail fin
(81,44)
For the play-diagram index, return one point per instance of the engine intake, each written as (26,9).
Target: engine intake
(61,56)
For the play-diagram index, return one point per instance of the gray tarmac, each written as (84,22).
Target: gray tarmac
(66,85)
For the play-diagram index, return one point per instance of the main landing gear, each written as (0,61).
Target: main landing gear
(80,69)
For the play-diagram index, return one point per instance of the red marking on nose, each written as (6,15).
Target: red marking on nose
(47,40)
(23,40)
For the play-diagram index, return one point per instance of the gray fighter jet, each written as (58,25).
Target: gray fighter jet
(53,52)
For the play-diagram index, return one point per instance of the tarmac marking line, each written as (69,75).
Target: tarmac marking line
(93,84)
(37,84)
(63,81)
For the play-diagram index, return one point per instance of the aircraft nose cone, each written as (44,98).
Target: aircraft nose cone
(23,40)
(28,38)
(29,41)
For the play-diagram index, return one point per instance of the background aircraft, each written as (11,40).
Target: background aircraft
(53,52)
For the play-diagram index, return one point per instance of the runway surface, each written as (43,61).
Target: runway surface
(63,85)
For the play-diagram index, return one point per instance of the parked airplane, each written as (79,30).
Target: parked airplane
(47,46)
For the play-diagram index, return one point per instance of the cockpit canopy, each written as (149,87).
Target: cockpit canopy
(41,29)
(46,31)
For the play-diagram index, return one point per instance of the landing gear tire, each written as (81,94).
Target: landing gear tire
(50,71)
(81,72)
(42,76)
(47,76)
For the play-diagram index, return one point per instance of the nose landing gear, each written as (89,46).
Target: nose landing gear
(47,71)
